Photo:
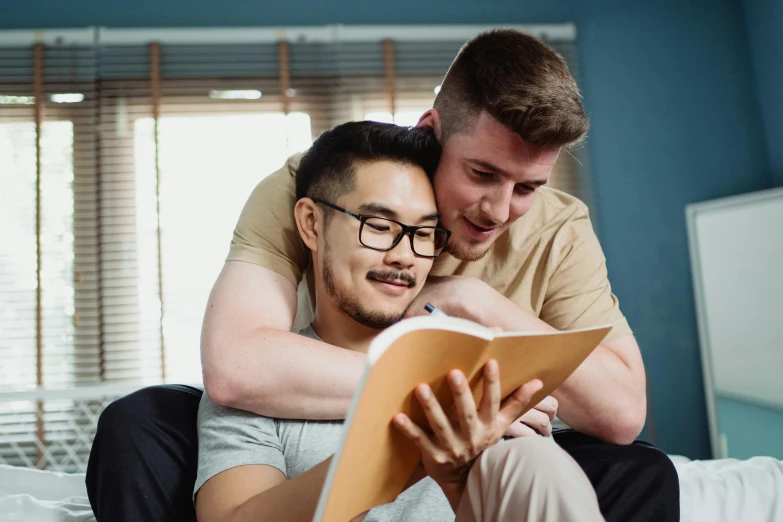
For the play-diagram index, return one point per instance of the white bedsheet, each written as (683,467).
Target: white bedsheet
(31,495)
(726,490)
(730,490)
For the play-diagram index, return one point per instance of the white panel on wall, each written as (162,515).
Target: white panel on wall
(737,249)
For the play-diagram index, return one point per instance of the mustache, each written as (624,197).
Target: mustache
(388,275)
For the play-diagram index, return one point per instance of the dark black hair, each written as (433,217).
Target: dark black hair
(328,169)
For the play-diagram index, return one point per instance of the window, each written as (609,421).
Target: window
(18,252)
(140,152)
(209,165)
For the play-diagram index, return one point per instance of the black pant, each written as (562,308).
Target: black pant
(144,459)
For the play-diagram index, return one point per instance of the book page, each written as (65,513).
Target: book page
(375,460)
(550,358)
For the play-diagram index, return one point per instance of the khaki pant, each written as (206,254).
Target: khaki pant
(527,479)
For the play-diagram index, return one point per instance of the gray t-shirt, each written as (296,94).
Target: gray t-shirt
(228,437)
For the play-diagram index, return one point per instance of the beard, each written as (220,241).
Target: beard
(466,251)
(351,306)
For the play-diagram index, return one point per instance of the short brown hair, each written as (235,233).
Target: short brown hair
(521,82)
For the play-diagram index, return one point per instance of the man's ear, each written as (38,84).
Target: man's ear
(431,120)
(309,222)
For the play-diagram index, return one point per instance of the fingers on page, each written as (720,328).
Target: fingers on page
(414,433)
(464,404)
(439,423)
(490,399)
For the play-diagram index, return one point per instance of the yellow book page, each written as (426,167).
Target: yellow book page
(377,459)
(550,358)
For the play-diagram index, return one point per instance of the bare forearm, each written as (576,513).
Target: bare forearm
(281,374)
(605,397)
(290,501)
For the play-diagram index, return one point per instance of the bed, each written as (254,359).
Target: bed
(730,490)
(33,495)
(725,490)
(712,491)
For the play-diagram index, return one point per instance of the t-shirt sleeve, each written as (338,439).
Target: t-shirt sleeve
(266,233)
(228,438)
(578,294)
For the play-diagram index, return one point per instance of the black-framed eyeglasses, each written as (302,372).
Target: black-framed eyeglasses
(380,233)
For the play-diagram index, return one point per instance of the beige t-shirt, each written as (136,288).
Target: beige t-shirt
(549,261)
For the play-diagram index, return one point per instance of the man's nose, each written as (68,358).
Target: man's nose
(402,254)
(496,206)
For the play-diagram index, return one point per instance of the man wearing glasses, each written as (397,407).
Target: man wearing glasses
(383,233)
(256,468)
(521,256)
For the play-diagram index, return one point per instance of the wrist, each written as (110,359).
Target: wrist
(453,492)
(472,301)
(458,300)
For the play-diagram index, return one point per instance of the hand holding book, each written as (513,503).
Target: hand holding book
(537,420)
(375,460)
(449,449)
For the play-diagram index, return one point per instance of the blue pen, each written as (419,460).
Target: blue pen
(434,311)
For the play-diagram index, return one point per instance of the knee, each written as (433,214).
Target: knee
(125,414)
(532,450)
(652,462)
(525,462)
(528,446)
(129,417)
(536,456)
(119,436)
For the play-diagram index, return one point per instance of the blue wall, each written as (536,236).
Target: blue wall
(750,429)
(765,34)
(675,115)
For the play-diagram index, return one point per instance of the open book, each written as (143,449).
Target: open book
(374,459)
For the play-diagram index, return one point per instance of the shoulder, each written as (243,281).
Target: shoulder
(292,163)
(555,204)
(266,232)
(283,178)
(554,214)
(275,190)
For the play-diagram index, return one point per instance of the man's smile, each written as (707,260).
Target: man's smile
(479,232)
(393,283)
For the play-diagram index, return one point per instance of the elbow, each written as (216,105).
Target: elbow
(226,385)
(219,387)
(624,434)
(221,370)
(225,388)
(624,428)
(222,382)
(620,424)
(230,381)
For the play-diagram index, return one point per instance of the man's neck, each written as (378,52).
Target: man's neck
(337,328)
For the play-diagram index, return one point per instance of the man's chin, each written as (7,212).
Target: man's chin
(381,314)
(375,319)
(473,252)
